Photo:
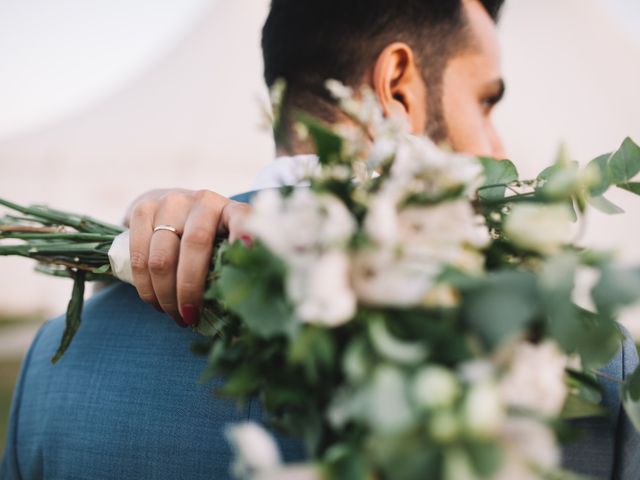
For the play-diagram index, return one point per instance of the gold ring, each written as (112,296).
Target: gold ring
(167,228)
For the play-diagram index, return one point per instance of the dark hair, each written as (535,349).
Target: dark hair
(306,42)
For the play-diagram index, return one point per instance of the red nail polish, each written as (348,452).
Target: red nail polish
(247,240)
(190,314)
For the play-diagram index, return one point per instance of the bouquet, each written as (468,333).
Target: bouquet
(411,314)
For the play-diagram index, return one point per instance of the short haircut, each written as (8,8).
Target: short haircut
(306,42)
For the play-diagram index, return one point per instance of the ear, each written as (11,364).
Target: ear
(399,86)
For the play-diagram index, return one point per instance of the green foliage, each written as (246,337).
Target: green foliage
(74,315)
(619,169)
(497,175)
(502,307)
(328,144)
(251,284)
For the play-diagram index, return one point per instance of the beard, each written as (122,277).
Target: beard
(436,128)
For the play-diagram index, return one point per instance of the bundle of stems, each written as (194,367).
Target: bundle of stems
(64,244)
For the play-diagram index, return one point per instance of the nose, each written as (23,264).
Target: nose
(497,147)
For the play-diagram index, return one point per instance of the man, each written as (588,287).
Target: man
(124,402)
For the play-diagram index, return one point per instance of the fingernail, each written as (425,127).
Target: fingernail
(247,240)
(190,315)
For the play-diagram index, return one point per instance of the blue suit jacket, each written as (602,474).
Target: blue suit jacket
(125,402)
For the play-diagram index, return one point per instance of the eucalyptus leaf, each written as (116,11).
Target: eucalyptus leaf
(251,285)
(616,288)
(328,143)
(601,165)
(630,393)
(499,173)
(624,164)
(503,307)
(74,315)
(577,407)
(604,205)
(633,187)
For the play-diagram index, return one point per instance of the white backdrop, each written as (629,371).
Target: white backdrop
(173,100)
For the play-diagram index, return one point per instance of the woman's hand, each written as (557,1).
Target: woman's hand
(169,269)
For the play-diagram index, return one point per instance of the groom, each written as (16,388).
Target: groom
(124,401)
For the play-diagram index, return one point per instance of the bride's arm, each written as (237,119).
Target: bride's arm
(169,269)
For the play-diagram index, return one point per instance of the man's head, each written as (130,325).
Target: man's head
(435,62)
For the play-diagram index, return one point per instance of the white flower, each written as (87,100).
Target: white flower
(435,387)
(321,290)
(120,258)
(301,226)
(540,228)
(442,230)
(421,167)
(255,450)
(381,222)
(483,411)
(536,379)
(412,246)
(382,276)
(527,443)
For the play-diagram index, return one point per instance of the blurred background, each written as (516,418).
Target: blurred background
(101,100)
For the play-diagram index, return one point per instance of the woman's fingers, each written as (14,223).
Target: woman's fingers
(196,252)
(170,270)
(164,252)
(141,221)
(234,215)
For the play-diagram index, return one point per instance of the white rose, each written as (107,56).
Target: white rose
(381,222)
(433,170)
(527,444)
(443,228)
(384,277)
(321,290)
(540,228)
(255,450)
(301,226)
(536,379)
(120,258)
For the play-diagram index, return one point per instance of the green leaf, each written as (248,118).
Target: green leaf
(102,269)
(394,349)
(578,407)
(601,164)
(74,315)
(486,458)
(499,173)
(251,284)
(604,205)
(557,280)
(585,385)
(632,383)
(616,288)
(633,187)
(328,143)
(625,163)
(502,307)
(630,392)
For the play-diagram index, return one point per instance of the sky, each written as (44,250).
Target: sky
(58,57)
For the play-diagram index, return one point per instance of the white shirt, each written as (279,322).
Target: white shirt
(286,172)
